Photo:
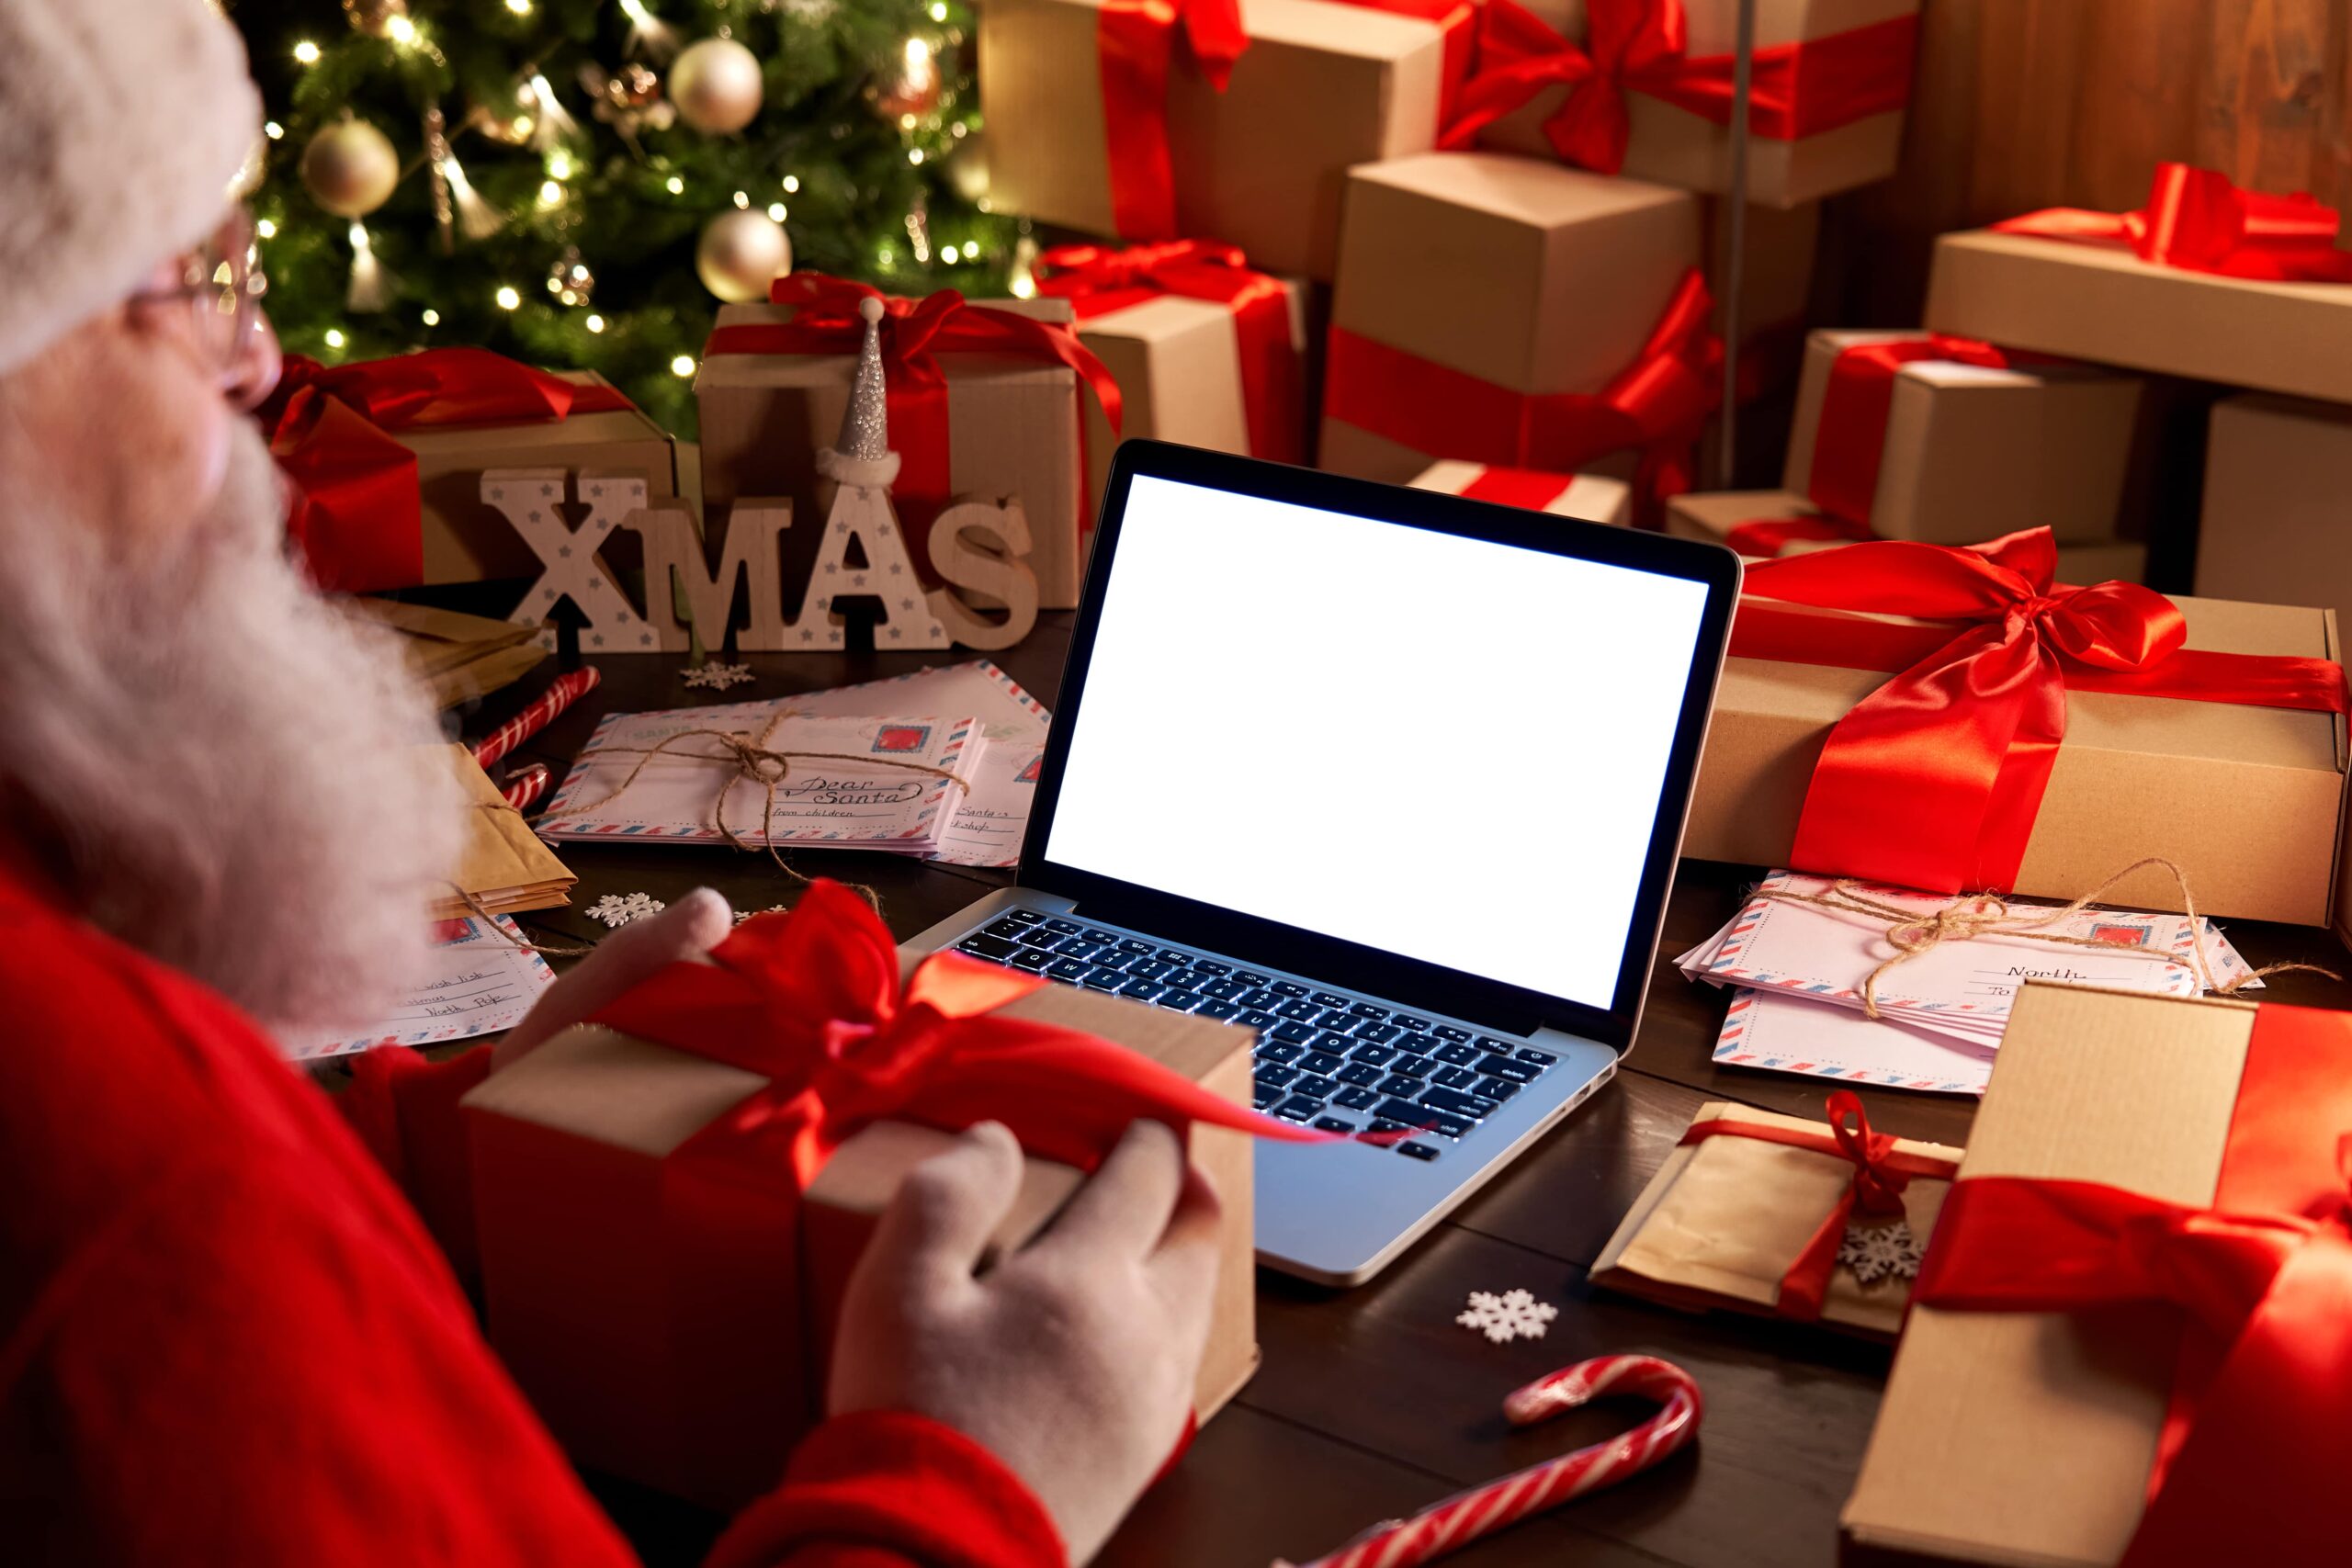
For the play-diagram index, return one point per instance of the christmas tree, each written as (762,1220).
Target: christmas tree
(580,182)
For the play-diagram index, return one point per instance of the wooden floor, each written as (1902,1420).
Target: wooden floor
(1372,1403)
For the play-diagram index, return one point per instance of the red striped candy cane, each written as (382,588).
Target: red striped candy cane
(561,695)
(523,791)
(1463,1518)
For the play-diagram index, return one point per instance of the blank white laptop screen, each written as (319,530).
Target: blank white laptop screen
(1438,746)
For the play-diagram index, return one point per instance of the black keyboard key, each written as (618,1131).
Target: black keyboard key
(1356,1099)
(1142,990)
(1333,1124)
(1259,997)
(1036,960)
(1068,969)
(1290,1029)
(1447,1031)
(1215,1009)
(1495,1089)
(1281,1051)
(1337,1018)
(1413,1150)
(1365,1010)
(1412,1067)
(1363,1075)
(1152,968)
(1298,1108)
(1249,977)
(1405,1020)
(1277,1075)
(1304,1011)
(1505,1067)
(1041,939)
(1428,1117)
(1316,1085)
(1181,1001)
(1398,1084)
(1330,999)
(1338,1045)
(1488,1043)
(1456,1077)
(1381,1124)
(1129,944)
(1530,1053)
(1374,1055)
(1226,990)
(1211,967)
(1377,1032)
(980,945)
(1255,1018)
(1320,1062)
(1458,1054)
(1102,978)
(1265,1098)
(1082,947)
(1455,1104)
(1175,955)
(1096,933)
(1063,928)
(1007,929)
(1287,988)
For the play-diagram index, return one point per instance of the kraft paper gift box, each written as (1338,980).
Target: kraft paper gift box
(1727,1218)
(668,1311)
(2247,799)
(2277,517)
(503,868)
(1833,78)
(1768,524)
(1014,428)
(1960,450)
(2036,1378)
(1596,498)
(1319,87)
(1473,286)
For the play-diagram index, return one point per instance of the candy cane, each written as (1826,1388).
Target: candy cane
(1463,1518)
(523,791)
(558,696)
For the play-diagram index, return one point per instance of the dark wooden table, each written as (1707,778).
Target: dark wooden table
(1372,1402)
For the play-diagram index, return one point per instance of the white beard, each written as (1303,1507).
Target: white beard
(218,765)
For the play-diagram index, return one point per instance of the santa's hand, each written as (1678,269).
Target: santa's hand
(687,929)
(1072,1360)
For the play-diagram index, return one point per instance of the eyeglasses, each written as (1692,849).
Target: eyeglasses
(221,284)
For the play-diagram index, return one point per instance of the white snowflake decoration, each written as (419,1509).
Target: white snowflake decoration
(618,910)
(742,915)
(1882,1252)
(1514,1315)
(717,677)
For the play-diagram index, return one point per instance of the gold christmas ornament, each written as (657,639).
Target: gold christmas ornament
(967,170)
(716,86)
(350,168)
(740,253)
(374,18)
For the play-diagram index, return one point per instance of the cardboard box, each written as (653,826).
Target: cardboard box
(1723,1221)
(1675,146)
(1321,87)
(1527,276)
(2104,304)
(1970,452)
(503,868)
(2015,1438)
(1713,515)
(2247,800)
(2277,519)
(466,539)
(692,1362)
(1596,498)
(1014,428)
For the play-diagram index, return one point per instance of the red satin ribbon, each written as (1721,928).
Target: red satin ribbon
(914,333)
(1459,21)
(2256,1439)
(1881,1175)
(2199,220)
(1849,439)
(1099,279)
(357,511)
(1655,406)
(1638,46)
(1134,42)
(1934,780)
(1530,488)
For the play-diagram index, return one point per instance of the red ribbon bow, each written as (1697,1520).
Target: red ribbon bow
(1134,43)
(812,1000)
(1638,46)
(1934,780)
(2199,220)
(914,333)
(1882,1173)
(2257,1434)
(1098,280)
(356,514)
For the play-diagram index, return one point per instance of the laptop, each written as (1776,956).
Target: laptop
(1395,779)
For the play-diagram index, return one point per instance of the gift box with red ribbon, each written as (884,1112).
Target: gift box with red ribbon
(1765,525)
(1206,349)
(2206,280)
(986,399)
(1596,498)
(2130,1342)
(1775,1215)
(1957,719)
(1519,314)
(670,1198)
(385,458)
(1153,119)
(2277,477)
(1644,87)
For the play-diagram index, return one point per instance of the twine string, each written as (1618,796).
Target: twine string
(1912,933)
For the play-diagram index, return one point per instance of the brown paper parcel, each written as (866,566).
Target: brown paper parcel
(1724,1220)
(1321,87)
(591,1303)
(502,865)
(2026,1437)
(1712,514)
(2246,800)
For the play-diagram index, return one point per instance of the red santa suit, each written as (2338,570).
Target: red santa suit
(226,1338)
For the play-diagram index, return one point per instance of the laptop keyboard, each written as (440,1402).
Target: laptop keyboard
(1336,1061)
